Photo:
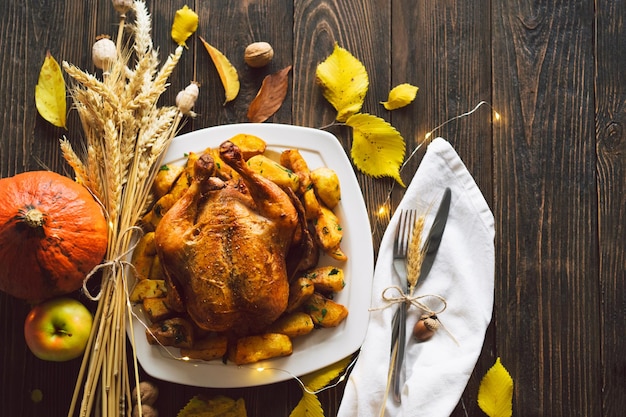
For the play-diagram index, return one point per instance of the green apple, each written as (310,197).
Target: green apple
(58,329)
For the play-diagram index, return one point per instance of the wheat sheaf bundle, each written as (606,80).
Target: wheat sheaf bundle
(126,134)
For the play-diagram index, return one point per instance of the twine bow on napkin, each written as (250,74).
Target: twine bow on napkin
(437,370)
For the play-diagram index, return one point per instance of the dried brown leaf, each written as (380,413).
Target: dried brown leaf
(270,96)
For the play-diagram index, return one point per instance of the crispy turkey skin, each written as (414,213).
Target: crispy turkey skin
(223,247)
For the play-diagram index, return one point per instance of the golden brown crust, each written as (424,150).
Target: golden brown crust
(224,249)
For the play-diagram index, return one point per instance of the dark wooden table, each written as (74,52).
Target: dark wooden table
(552,168)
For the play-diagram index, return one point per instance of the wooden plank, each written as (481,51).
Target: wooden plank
(28,32)
(544,169)
(444,49)
(230,27)
(318,25)
(29,29)
(611,147)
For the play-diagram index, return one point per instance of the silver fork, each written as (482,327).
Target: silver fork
(401,243)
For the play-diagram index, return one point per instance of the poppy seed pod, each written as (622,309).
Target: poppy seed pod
(122,6)
(186,99)
(103,53)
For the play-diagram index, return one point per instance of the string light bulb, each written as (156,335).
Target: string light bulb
(383,210)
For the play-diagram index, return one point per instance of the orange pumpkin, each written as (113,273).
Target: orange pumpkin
(52,234)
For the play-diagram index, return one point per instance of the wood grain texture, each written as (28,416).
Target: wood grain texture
(610,167)
(444,49)
(547,293)
(552,169)
(318,26)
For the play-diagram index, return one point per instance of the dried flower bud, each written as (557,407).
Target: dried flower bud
(103,53)
(122,6)
(186,99)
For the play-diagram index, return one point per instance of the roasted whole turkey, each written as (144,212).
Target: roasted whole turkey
(224,247)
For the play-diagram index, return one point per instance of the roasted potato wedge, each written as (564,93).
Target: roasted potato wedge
(293,160)
(184,179)
(293,325)
(249,145)
(328,231)
(165,179)
(157,273)
(143,256)
(312,206)
(274,172)
(256,348)
(153,217)
(324,311)
(207,349)
(327,279)
(176,332)
(147,288)
(299,291)
(338,254)
(156,309)
(326,184)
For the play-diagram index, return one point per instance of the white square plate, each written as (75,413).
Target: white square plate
(320,348)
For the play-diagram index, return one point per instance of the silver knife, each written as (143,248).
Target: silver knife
(432,243)
(434,236)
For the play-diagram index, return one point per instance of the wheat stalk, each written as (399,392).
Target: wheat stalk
(415,254)
(125,135)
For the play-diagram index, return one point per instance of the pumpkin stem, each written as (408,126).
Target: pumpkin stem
(34,218)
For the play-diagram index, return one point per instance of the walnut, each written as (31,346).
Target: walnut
(258,54)
(146,411)
(148,392)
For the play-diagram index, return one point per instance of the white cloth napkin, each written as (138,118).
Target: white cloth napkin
(437,370)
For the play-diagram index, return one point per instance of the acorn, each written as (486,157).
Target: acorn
(425,327)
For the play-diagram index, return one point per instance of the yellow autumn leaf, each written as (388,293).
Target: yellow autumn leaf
(309,406)
(50,92)
(319,379)
(227,72)
(495,393)
(219,406)
(400,96)
(185,24)
(344,82)
(377,147)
